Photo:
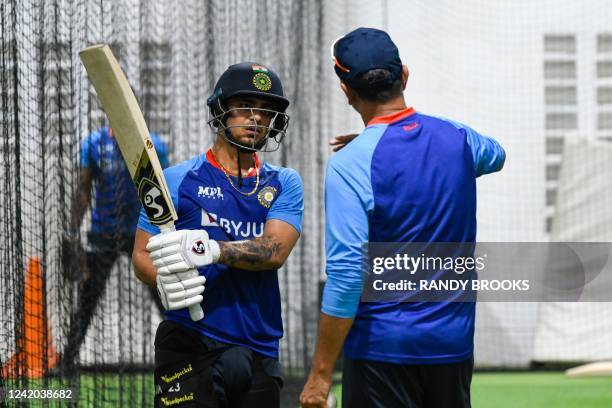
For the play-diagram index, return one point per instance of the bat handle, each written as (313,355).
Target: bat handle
(195,311)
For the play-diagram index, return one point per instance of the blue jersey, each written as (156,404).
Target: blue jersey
(407,177)
(240,307)
(116,207)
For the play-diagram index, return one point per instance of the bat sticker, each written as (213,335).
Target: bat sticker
(150,193)
(149,201)
(153,202)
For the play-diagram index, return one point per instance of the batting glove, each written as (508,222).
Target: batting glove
(180,290)
(179,251)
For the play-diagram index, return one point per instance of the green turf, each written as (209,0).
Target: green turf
(132,390)
(100,390)
(534,390)
(489,390)
(539,390)
(337,390)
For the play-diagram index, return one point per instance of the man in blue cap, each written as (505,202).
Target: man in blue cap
(407,177)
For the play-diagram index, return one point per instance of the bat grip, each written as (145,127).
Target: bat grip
(195,311)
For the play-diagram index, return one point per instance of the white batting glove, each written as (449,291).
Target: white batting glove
(180,290)
(179,251)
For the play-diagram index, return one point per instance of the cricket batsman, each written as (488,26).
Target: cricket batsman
(238,219)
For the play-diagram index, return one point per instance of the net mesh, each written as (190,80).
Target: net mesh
(578,331)
(531,74)
(172,52)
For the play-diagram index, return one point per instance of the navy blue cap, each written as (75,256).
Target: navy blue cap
(363,50)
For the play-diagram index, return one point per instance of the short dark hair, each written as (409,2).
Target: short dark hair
(377,85)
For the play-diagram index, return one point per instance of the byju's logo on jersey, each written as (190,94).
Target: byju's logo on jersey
(239,229)
(210,192)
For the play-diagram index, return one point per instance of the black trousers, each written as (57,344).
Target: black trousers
(100,261)
(192,370)
(372,384)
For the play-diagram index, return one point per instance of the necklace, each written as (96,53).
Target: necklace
(229,178)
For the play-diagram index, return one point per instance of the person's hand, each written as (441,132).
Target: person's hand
(179,251)
(180,290)
(339,142)
(316,391)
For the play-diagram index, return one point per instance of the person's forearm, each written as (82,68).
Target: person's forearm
(332,333)
(254,254)
(80,205)
(82,200)
(144,269)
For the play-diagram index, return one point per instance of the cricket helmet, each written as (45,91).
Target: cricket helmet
(250,79)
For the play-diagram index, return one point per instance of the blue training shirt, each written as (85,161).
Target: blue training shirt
(407,177)
(240,307)
(116,207)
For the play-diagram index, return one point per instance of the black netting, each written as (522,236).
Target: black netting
(172,52)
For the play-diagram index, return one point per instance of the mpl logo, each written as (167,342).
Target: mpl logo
(210,192)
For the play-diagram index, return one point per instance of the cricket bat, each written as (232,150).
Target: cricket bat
(133,139)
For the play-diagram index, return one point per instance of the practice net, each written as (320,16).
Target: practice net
(172,52)
(537,76)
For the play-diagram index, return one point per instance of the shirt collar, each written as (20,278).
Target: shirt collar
(210,157)
(394,117)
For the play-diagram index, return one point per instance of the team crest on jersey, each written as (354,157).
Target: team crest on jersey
(266,196)
(262,81)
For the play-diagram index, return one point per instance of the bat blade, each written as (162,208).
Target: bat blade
(133,138)
(130,130)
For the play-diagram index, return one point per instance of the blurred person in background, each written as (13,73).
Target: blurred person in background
(115,209)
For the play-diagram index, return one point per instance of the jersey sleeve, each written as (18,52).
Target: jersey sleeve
(488,154)
(145,225)
(161,149)
(86,150)
(289,205)
(346,229)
